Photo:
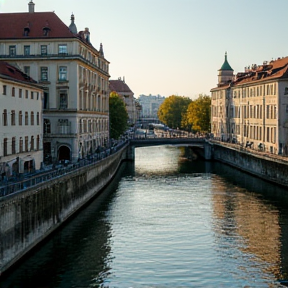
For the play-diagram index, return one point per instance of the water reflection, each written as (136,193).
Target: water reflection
(253,217)
(168,220)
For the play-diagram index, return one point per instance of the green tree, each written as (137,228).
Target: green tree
(118,115)
(198,115)
(172,110)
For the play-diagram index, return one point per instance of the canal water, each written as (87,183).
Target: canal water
(168,220)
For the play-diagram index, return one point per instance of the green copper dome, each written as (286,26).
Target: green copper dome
(226,65)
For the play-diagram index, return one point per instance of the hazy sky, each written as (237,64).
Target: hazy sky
(175,47)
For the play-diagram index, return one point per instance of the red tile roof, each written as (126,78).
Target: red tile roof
(275,69)
(272,70)
(11,72)
(12,25)
(119,86)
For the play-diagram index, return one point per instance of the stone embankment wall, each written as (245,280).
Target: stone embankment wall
(269,167)
(27,217)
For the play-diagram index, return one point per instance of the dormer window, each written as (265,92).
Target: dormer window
(26,31)
(46,31)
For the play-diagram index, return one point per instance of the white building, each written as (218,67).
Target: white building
(150,105)
(252,106)
(73,73)
(21,122)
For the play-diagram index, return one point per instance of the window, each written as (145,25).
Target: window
(32,143)
(26,31)
(26,94)
(13,145)
(32,95)
(38,143)
(20,118)
(62,73)
(5,146)
(13,117)
(62,49)
(44,73)
(4,90)
(26,50)
(32,118)
(26,143)
(46,100)
(38,119)
(5,122)
(63,100)
(43,49)
(26,118)
(21,145)
(12,50)
(13,92)
(46,31)
(47,126)
(20,93)
(27,70)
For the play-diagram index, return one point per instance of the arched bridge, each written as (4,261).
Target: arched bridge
(201,143)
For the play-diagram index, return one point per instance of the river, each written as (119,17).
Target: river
(168,220)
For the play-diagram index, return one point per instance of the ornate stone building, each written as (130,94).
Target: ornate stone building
(251,108)
(74,75)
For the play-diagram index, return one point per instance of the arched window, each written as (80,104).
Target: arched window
(32,143)
(26,118)
(5,120)
(32,118)
(21,145)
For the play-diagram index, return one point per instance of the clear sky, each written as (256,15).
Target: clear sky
(175,47)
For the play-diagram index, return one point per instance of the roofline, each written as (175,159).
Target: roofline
(11,79)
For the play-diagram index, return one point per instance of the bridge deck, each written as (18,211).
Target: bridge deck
(199,142)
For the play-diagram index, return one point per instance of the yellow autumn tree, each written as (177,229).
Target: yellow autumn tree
(172,110)
(198,116)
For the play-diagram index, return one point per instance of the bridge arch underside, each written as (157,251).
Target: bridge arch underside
(198,146)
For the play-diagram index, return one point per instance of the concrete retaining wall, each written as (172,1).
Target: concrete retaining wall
(268,168)
(29,216)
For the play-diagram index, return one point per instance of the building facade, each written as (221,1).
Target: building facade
(150,105)
(251,108)
(21,138)
(73,73)
(132,105)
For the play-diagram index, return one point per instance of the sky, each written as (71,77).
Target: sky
(174,47)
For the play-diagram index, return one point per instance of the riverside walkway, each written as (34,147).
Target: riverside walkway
(14,185)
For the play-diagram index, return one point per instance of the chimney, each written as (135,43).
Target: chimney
(87,35)
(31,7)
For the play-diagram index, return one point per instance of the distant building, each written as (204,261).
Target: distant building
(251,108)
(150,105)
(132,105)
(73,73)
(21,148)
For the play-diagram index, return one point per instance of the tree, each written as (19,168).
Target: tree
(172,110)
(118,115)
(199,114)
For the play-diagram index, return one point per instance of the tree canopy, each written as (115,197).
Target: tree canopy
(118,115)
(172,110)
(199,114)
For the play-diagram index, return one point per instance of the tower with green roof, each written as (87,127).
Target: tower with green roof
(225,75)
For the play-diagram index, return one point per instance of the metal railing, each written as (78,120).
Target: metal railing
(8,187)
